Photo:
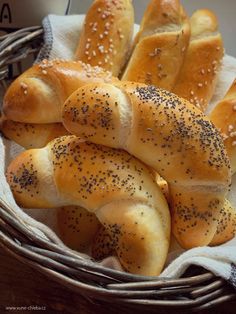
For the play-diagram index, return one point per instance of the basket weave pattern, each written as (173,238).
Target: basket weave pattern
(46,253)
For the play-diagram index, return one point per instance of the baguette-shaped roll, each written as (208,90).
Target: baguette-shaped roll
(106,36)
(168,134)
(224,118)
(30,135)
(77,227)
(198,74)
(37,96)
(160,45)
(110,183)
(226,228)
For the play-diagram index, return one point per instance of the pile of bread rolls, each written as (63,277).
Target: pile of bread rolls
(125,159)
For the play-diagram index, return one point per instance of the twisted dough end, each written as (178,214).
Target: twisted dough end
(116,187)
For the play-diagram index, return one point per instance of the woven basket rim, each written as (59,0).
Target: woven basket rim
(51,257)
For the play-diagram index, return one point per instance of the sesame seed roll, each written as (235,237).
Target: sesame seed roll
(106,35)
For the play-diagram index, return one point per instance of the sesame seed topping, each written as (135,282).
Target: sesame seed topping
(156,52)
(23,85)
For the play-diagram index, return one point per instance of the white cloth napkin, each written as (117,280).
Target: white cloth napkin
(61,37)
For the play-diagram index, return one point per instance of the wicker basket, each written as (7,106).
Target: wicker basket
(196,290)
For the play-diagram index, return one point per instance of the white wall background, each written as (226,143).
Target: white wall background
(224,9)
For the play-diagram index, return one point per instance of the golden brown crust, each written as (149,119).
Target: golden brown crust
(106,36)
(31,135)
(168,134)
(37,95)
(226,228)
(115,186)
(160,45)
(77,227)
(224,118)
(197,78)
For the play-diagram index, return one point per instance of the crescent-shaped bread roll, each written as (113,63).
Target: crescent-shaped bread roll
(198,75)
(160,45)
(224,118)
(168,134)
(110,183)
(30,135)
(37,95)
(106,35)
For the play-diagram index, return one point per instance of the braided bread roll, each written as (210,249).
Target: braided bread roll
(110,183)
(197,79)
(37,96)
(160,45)
(168,134)
(224,118)
(106,35)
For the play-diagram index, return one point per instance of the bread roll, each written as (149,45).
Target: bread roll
(31,135)
(106,36)
(224,118)
(160,45)
(110,183)
(197,78)
(77,227)
(37,96)
(168,134)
